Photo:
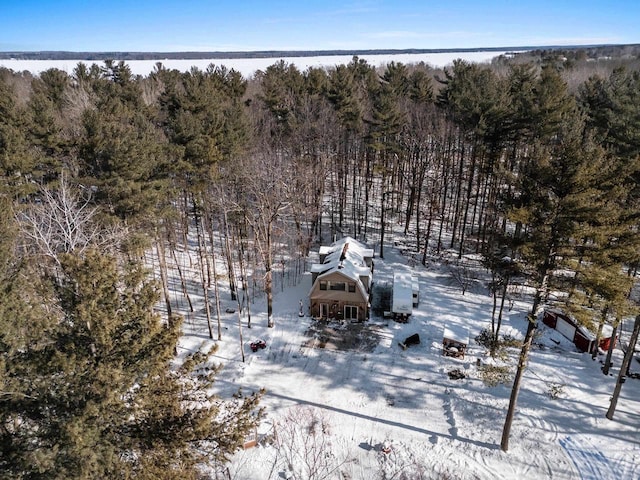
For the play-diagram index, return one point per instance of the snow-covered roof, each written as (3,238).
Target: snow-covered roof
(347,267)
(456,333)
(346,256)
(402,301)
(354,247)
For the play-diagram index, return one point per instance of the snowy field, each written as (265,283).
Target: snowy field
(389,413)
(248,66)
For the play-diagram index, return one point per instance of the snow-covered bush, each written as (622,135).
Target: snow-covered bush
(493,375)
(555,391)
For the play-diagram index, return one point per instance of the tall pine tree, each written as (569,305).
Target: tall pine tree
(87,386)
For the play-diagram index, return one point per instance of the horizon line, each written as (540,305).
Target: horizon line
(294,53)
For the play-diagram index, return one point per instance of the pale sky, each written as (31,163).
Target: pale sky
(199,25)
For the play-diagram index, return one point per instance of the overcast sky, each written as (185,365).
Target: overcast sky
(221,25)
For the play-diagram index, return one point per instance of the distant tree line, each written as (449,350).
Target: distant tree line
(275,54)
(99,169)
(530,52)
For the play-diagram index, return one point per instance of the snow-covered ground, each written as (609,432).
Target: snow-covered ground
(248,66)
(394,413)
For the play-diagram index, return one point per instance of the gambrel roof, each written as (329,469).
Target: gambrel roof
(347,257)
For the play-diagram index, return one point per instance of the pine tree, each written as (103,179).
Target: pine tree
(46,106)
(88,391)
(420,86)
(16,159)
(555,181)
(282,88)
(122,153)
(613,115)
(342,92)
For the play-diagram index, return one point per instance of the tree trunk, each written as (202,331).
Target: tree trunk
(368,181)
(215,273)
(603,318)
(623,368)
(268,286)
(427,235)
(243,278)
(183,283)
(522,360)
(163,274)
(458,191)
(505,286)
(607,362)
(513,399)
(418,217)
(232,281)
(240,331)
(382,209)
(467,201)
(203,274)
(232,275)
(494,297)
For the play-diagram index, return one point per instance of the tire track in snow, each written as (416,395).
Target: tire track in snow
(536,463)
(627,465)
(588,460)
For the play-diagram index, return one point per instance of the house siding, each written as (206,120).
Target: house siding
(584,340)
(337,299)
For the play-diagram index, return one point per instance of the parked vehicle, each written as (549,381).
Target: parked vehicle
(258,344)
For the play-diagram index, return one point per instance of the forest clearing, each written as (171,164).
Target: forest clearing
(372,394)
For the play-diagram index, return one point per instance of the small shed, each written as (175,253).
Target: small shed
(582,338)
(455,341)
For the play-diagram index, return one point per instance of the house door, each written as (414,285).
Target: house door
(350,312)
(324,310)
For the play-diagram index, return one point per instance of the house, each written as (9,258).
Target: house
(341,282)
(579,335)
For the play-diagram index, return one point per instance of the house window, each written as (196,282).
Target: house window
(323,285)
(352,287)
(338,286)
(350,312)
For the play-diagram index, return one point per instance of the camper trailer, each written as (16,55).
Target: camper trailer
(402,300)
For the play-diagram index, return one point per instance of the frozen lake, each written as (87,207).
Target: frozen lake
(248,66)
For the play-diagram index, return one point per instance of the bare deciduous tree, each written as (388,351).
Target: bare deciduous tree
(462,274)
(263,200)
(305,446)
(64,220)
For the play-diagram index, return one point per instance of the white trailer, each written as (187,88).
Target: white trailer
(402,298)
